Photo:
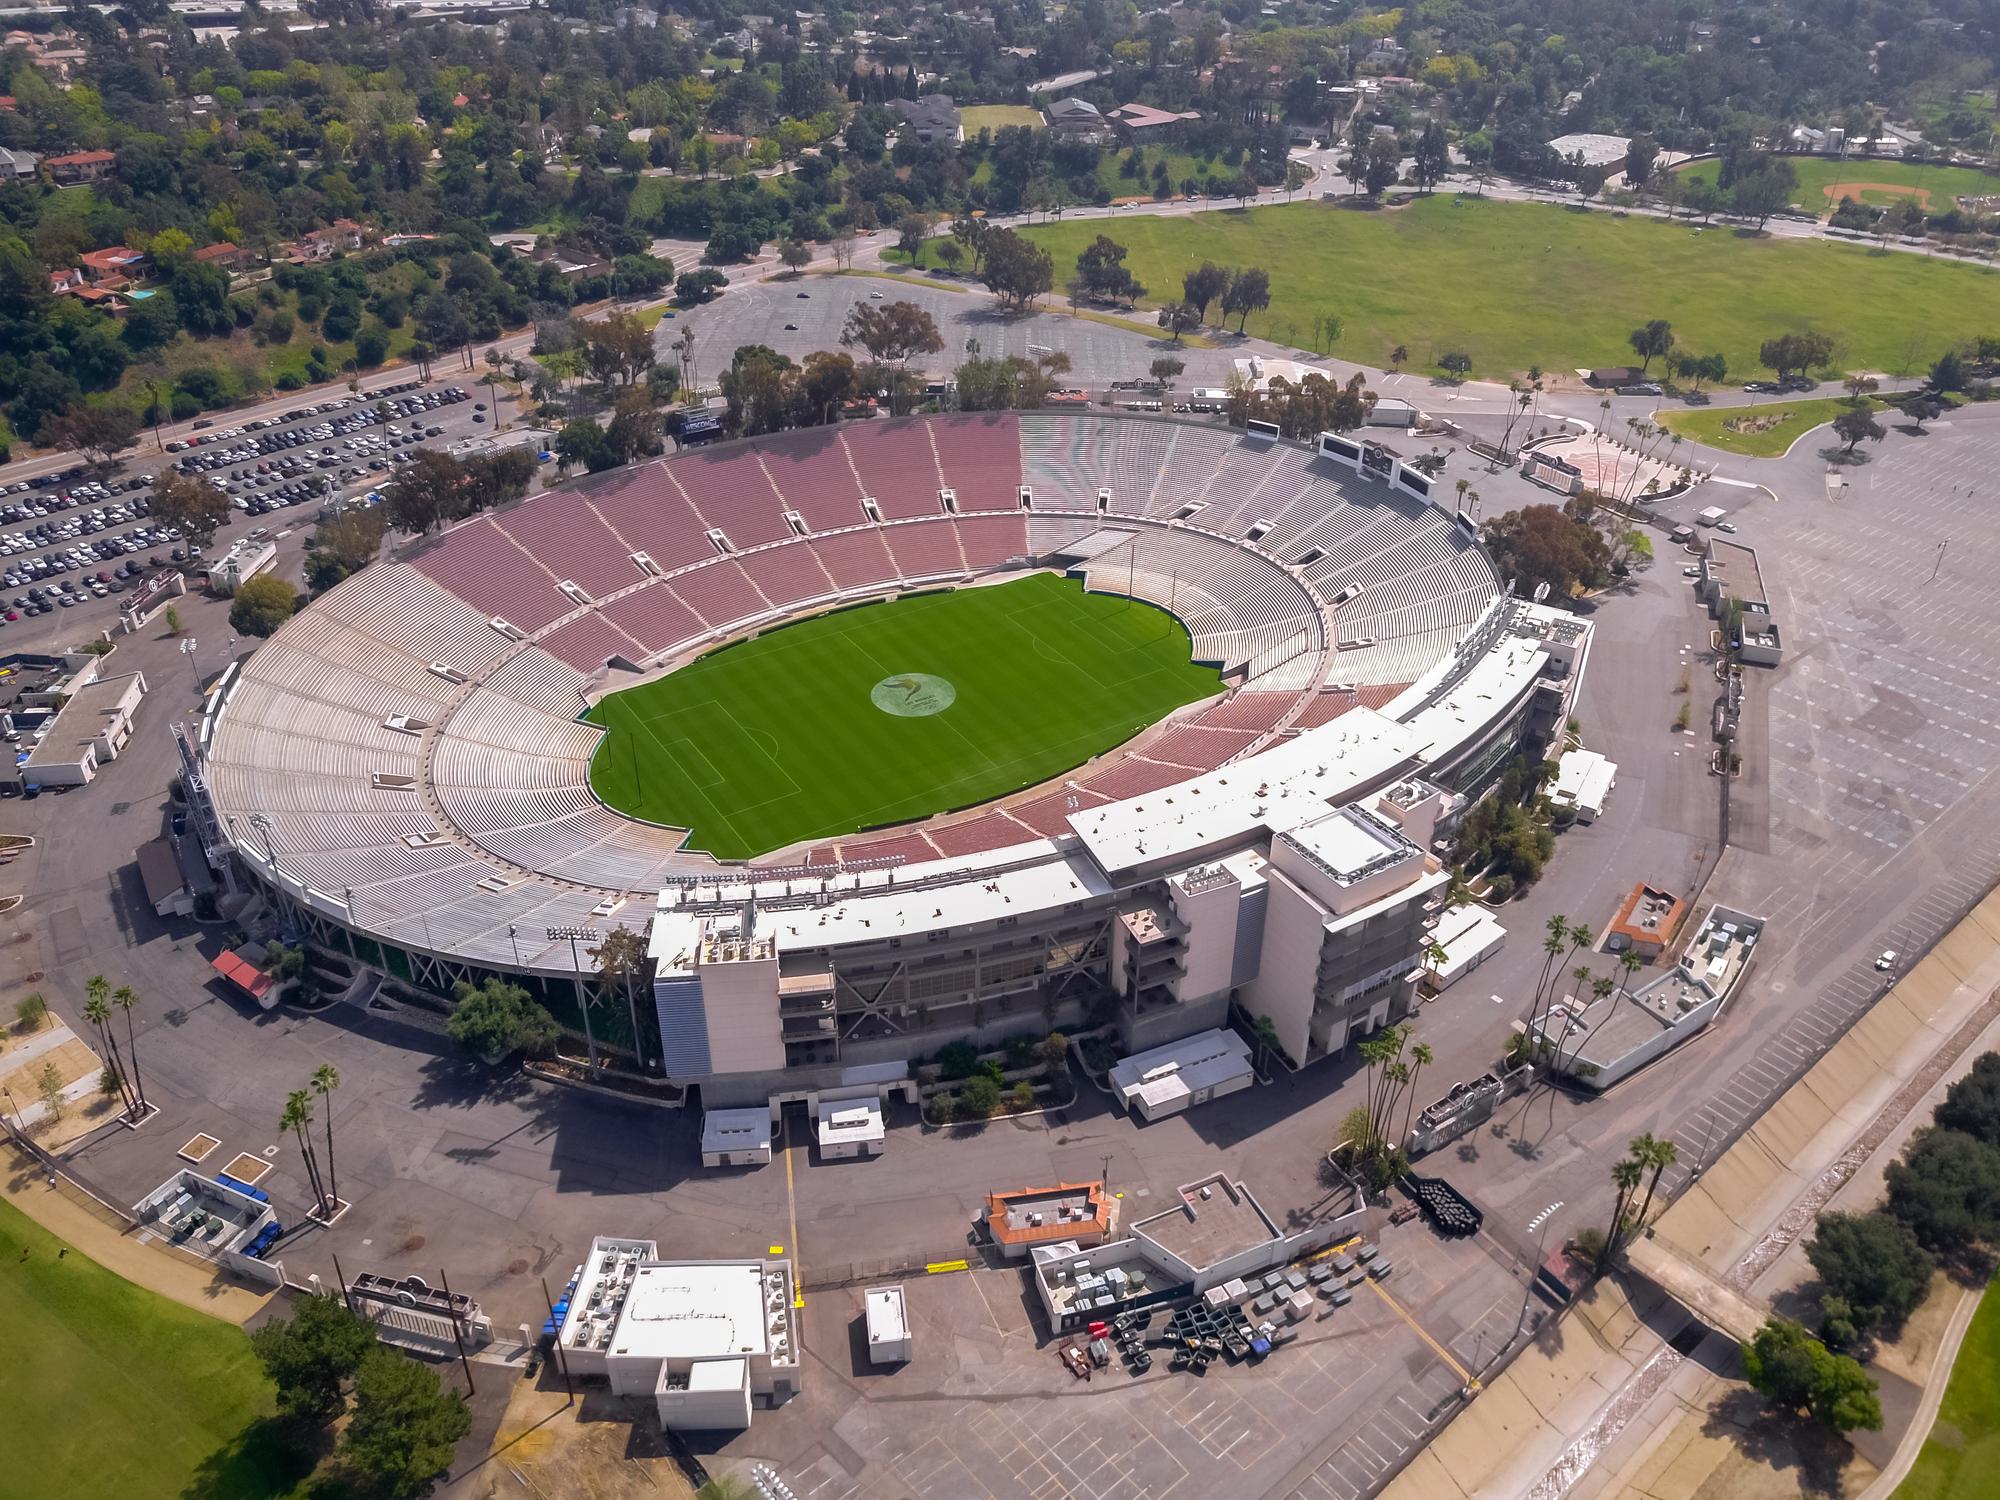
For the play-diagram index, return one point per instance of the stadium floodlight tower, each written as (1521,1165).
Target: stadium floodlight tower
(572,934)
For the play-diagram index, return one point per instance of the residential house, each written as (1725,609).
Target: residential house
(1074,116)
(232,257)
(16,164)
(80,166)
(323,244)
(68,279)
(934,117)
(1141,123)
(60,60)
(117,266)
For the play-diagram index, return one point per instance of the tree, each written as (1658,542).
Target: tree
(1385,160)
(127,999)
(49,1088)
(617,346)
(692,288)
(1795,1371)
(1972,1104)
(1873,1264)
(1651,341)
(795,255)
(1625,1177)
(622,960)
(1541,544)
(911,232)
(1166,369)
(1947,1189)
(311,1355)
(98,433)
(584,442)
(892,332)
(325,1079)
(344,545)
(404,1426)
(1018,271)
(1642,152)
(1856,423)
(1761,194)
(973,235)
(262,604)
(1703,197)
(1455,364)
(196,507)
(428,492)
(297,1118)
(97,1011)
(1202,286)
(1433,156)
(980,1097)
(497,1019)
(1249,291)
(1948,373)
(1102,273)
(1589,182)
(1655,1155)
(1180,318)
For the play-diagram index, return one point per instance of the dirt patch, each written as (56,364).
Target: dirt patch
(1875,192)
(1763,422)
(599,1449)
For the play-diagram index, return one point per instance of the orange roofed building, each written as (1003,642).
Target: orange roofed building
(1078,1212)
(1646,923)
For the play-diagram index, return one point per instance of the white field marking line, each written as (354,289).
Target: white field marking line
(700,792)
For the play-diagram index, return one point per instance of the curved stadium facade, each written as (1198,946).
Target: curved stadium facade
(404,764)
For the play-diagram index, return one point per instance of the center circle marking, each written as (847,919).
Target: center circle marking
(913,695)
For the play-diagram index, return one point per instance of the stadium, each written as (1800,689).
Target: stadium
(902,732)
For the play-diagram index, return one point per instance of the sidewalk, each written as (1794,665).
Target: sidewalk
(187,1282)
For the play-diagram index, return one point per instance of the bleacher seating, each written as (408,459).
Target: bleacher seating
(490,724)
(896,466)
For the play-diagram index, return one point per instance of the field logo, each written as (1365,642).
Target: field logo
(913,695)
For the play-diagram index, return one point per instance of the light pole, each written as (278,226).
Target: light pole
(188,649)
(557,935)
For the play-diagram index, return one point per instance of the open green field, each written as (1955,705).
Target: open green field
(1960,1460)
(977,117)
(1708,425)
(890,712)
(110,1391)
(1877,182)
(1515,284)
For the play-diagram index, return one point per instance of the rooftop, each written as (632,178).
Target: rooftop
(1215,1219)
(1350,845)
(1732,567)
(1178,1069)
(702,1309)
(1026,1216)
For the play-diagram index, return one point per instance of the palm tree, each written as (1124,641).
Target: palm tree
(1552,947)
(1657,1155)
(621,957)
(99,1013)
(1420,1056)
(325,1079)
(127,999)
(1625,1177)
(297,1118)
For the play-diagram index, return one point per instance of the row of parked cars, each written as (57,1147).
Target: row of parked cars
(87,555)
(211,457)
(81,524)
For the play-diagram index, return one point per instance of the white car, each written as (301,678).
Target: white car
(1887,961)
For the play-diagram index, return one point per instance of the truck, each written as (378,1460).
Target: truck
(1713,516)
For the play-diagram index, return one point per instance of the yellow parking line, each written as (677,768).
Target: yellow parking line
(1464,1375)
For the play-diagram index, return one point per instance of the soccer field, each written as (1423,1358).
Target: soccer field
(891,711)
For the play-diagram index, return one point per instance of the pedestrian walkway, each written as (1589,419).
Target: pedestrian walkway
(190,1283)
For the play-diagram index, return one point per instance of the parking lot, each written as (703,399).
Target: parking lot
(77,534)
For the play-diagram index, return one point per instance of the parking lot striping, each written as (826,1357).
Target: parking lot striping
(1464,1375)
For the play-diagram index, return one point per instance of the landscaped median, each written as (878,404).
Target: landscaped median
(1766,430)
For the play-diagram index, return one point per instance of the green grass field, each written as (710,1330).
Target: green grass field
(1877,182)
(977,117)
(1707,425)
(1961,1458)
(779,739)
(110,1391)
(1515,284)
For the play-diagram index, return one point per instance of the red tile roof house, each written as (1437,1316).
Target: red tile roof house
(115,266)
(1142,122)
(228,255)
(68,279)
(80,166)
(322,244)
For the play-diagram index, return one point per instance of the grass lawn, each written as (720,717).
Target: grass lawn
(1708,424)
(1876,182)
(891,711)
(1961,1458)
(113,1392)
(1515,284)
(977,117)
